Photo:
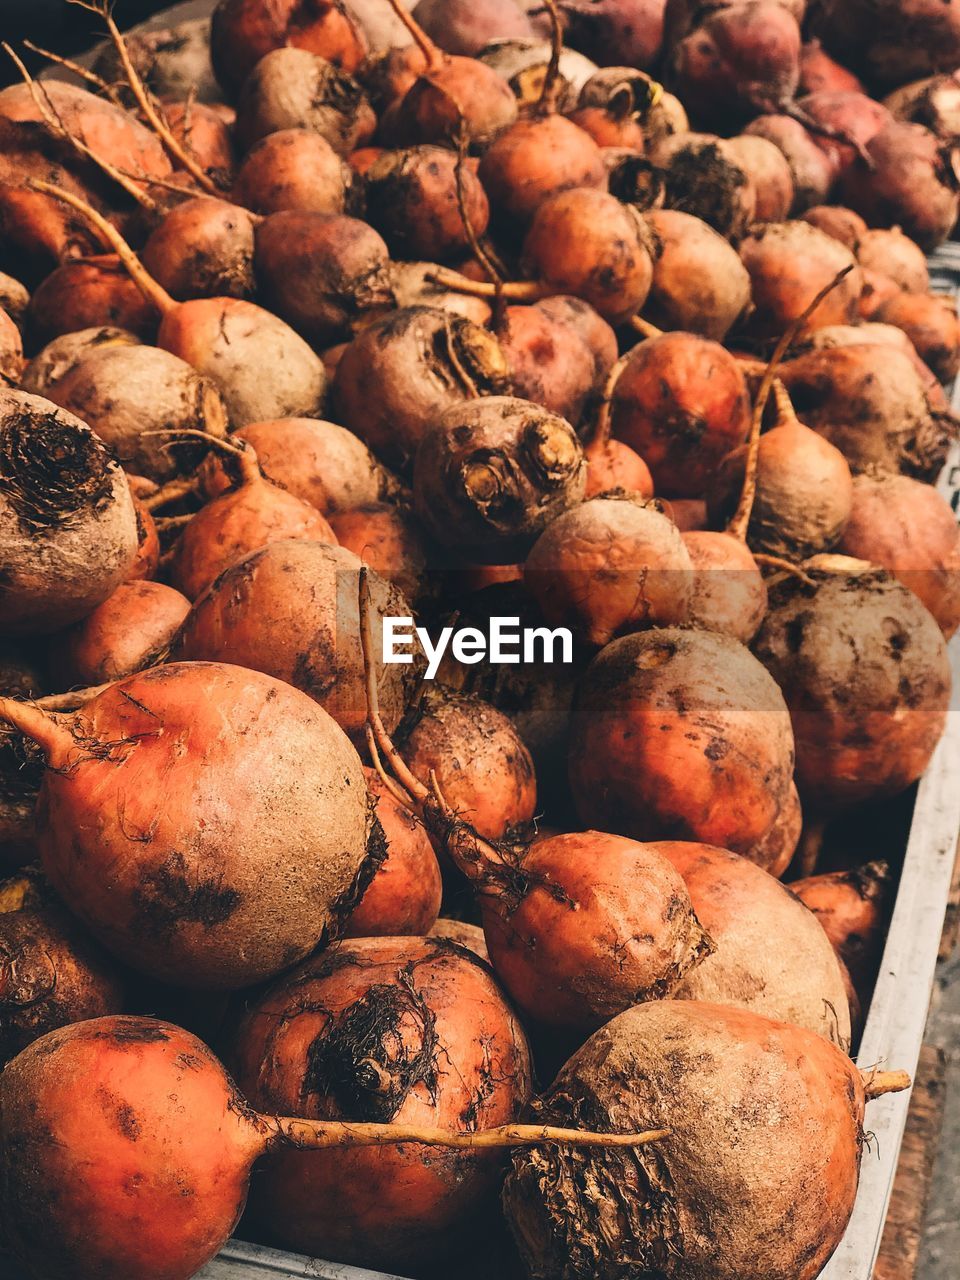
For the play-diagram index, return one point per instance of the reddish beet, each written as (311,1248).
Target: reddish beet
(890,41)
(467,26)
(819,73)
(813,174)
(789,263)
(842,125)
(547,361)
(89,293)
(414,200)
(615,32)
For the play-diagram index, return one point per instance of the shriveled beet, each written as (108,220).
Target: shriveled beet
(388,540)
(819,73)
(842,125)
(812,171)
(612,565)
(616,31)
(466,26)
(896,256)
(587,243)
(244,31)
(775,852)
(930,322)
(768,170)
(399,375)
(906,181)
(843,224)
(413,1031)
(133,629)
(293,169)
(413,201)
(789,263)
(203,248)
(548,362)
(681,402)
(491,474)
(89,293)
(290,609)
(235,523)
(699,282)
(910,529)
(852,909)
(719,772)
(889,41)
(321,273)
(404,895)
(292,88)
(770,955)
(319,462)
(68,532)
(865,672)
(51,973)
(934,103)
(536,158)
(871,402)
(483,768)
(728,592)
(758,1176)
(58,357)
(703,179)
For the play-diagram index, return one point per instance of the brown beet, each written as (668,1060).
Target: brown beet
(414,202)
(467,26)
(87,294)
(896,256)
(934,103)
(616,31)
(847,122)
(789,263)
(813,174)
(133,629)
(293,169)
(843,224)
(203,248)
(172,61)
(702,178)
(891,42)
(291,88)
(699,282)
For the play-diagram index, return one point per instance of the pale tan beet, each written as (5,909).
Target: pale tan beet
(703,179)
(536,158)
(68,532)
(768,169)
(776,850)
(318,462)
(910,529)
(864,669)
(811,169)
(871,402)
(12,361)
(788,264)
(771,954)
(756,1180)
(233,524)
(869,332)
(133,629)
(403,898)
(483,769)
(203,248)
(387,539)
(699,282)
(290,609)
(852,908)
(720,772)
(88,293)
(729,594)
(930,322)
(491,474)
(58,357)
(611,565)
(843,224)
(292,88)
(413,284)
(293,169)
(126,392)
(894,255)
(397,377)
(174,61)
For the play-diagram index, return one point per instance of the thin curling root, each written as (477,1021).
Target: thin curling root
(323,1134)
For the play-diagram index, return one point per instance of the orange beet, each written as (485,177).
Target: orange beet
(133,629)
(729,593)
(852,908)
(388,540)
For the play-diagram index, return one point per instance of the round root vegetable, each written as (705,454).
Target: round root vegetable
(385,537)
(318,462)
(68,532)
(88,293)
(842,224)
(681,402)
(128,393)
(240,521)
(244,31)
(467,26)
(578,315)
(852,909)
(594,924)
(133,629)
(292,88)
(933,102)
(812,171)
(293,169)
(767,169)
(127,1149)
(397,377)
(536,158)
(491,474)
(58,357)
(610,566)
(321,273)
(465,935)
(173,62)
(410,1031)
(615,31)
(890,41)
(611,464)
(699,284)
(819,73)
(414,200)
(871,332)
(680,734)
(873,404)
(548,361)
(206,139)
(788,262)
(51,974)
(911,530)
(290,609)
(703,179)
(260,850)
(776,850)
(728,593)
(611,127)
(147,560)
(14,298)
(770,955)
(905,180)
(404,895)
(757,1178)
(483,769)
(842,125)
(864,669)
(931,323)
(203,248)
(890,253)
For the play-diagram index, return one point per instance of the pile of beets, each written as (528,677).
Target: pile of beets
(603,316)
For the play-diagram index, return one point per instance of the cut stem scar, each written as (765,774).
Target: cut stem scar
(877,1083)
